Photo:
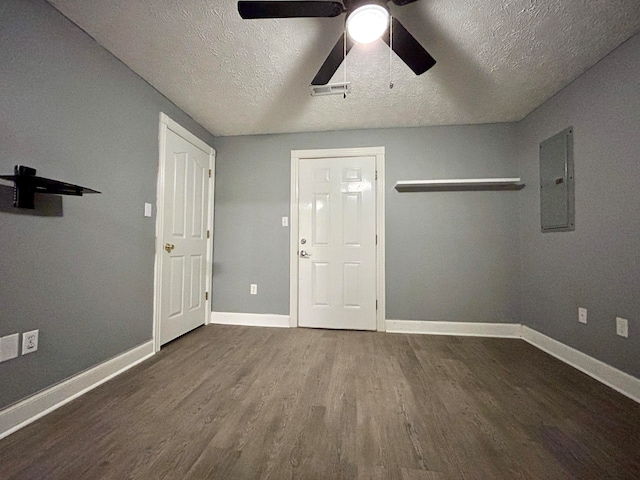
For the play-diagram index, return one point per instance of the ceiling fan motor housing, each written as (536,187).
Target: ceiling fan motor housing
(368,22)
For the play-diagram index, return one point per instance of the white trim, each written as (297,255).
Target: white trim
(167,123)
(296,155)
(293,244)
(380,235)
(32,408)
(250,319)
(210,224)
(501,330)
(184,133)
(157,293)
(612,377)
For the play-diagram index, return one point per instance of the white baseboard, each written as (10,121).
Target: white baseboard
(502,330)
(32,408)
(250,319)
(610,376)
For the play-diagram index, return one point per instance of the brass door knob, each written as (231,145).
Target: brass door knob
(168,247)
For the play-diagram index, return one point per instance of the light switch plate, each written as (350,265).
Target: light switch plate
(285,221)
(9,347)
(147,209)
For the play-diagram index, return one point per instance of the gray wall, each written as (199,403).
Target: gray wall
(78,269)
(598,265)
(450,256)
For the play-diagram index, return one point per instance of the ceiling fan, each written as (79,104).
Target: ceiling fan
(366,21)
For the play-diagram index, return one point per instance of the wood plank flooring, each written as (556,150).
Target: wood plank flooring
(226,402)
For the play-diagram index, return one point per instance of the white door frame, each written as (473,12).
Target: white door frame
(296,155)
(167,123)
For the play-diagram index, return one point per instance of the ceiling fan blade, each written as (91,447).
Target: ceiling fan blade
(409,50)
(400,3)
(257,9)
(332,62)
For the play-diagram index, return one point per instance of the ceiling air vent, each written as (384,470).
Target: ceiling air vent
(331,89)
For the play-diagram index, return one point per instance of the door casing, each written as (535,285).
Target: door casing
(296,155)
(167,123)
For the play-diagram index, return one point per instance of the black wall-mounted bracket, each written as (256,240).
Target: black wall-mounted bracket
(26,185)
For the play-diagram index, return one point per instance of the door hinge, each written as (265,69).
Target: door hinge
(206,295)
(376,174)
(208,233)
(209,173)
(376,304)
(376,239)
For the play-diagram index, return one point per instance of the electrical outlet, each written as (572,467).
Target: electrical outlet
(29,342)
(254,289)
(622,327)
(9,347)
(582,315)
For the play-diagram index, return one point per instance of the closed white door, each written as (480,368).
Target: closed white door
(337,243)
(183,237)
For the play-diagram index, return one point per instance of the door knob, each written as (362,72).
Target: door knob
(168,247)
(304,254)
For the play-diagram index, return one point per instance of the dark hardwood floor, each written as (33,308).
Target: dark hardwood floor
(230,402)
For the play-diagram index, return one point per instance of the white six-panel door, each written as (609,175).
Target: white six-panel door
(183,262)
(337,243)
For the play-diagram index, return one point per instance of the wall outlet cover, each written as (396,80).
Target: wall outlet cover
(582,315)
(29,342)
(254,289)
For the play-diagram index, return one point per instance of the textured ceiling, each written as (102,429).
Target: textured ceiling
(497,60)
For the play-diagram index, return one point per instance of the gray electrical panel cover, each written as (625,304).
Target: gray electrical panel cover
(557,201)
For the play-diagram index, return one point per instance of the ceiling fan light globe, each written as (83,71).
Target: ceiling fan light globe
(367,23)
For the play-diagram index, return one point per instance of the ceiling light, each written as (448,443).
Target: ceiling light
(366,24)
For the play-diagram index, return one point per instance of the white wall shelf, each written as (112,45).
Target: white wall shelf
(459,184)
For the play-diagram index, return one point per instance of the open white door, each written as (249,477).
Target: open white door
(335,246)
(183,246)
